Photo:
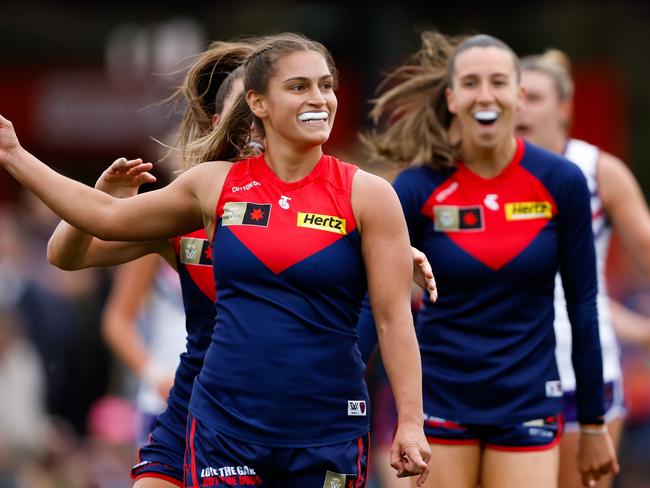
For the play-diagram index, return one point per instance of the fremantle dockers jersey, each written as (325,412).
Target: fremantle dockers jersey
(586,157)
(495,245)
(194,262)
(283,368)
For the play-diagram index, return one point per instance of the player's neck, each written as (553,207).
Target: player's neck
(489,162)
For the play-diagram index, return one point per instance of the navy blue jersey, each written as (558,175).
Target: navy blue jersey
(495,245)
(283,368)
(194,263)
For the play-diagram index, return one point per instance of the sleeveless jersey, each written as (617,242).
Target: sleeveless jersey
(283,368)
(495,246)
(586,157)
(160,324)
(194,264)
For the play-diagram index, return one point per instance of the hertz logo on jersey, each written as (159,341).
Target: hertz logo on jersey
(528,210)
(327,223)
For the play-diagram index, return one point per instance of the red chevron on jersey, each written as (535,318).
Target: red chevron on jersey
(509,211)
(195,253)
(294,220)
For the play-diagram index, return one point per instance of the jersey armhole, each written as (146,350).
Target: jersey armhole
(220,203)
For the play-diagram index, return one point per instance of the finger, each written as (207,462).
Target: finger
(132,163)
(413,454)
(433,294)
(587,479)
(139,168)
(396,461)
(118,163)
(146,178)
(423,477)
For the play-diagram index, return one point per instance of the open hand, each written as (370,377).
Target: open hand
(124,176)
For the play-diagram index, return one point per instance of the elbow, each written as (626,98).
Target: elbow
(57,258)
(64,259)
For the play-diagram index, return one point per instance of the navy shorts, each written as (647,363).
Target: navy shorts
(162,456)
(151,469)
(214,459)
(532,435)
(158,459)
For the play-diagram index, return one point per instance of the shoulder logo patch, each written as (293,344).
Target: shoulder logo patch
(528,210)
(195,251)
(246,213)
(327,223)
(452,218)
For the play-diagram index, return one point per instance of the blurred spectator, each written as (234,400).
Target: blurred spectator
(23,418)
(60,310)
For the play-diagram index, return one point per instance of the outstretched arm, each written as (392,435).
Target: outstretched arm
(183,206)
(70,248)
(389,268)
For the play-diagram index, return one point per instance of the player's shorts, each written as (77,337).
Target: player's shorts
(161,457)
(214,459)
(532,435)
(151,469)
(145,423)
(614,405)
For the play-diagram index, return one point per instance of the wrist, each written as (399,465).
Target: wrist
(410,419)
(153,374)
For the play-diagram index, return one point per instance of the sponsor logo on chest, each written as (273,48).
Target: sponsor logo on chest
(328,223)
(528,210)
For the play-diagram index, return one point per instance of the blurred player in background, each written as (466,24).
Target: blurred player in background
(616,202)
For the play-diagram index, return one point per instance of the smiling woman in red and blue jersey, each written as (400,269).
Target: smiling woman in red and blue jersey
(496,218)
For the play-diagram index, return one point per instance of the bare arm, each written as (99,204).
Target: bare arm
(631,327)
(626,207)
(185,205)
(70,248)
(389,268)
(131,286)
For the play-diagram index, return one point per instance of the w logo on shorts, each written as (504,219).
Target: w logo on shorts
(356,408)
(338,480)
